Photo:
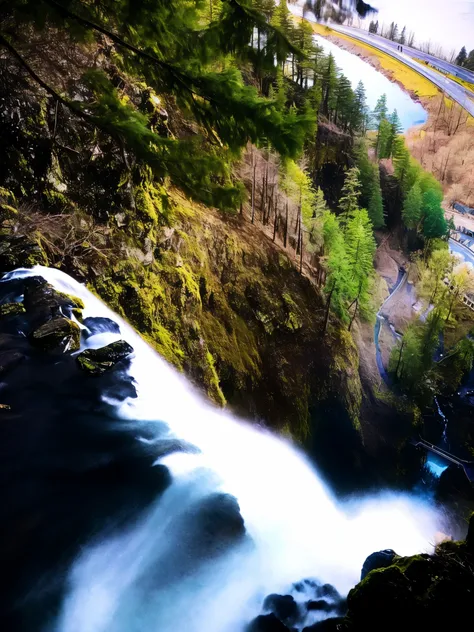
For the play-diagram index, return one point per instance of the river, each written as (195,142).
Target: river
(356,69)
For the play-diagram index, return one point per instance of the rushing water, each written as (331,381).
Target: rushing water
(145,578)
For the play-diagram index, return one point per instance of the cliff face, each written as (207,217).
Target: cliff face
(209,291)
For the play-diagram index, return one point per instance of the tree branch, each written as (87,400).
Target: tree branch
(182,78)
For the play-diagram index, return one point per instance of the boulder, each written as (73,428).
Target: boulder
(98,361)
(266,623)
(59,334)
(19,251)
(379,559)
(43,302)
(283,606)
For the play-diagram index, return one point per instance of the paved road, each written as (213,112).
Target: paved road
(462,73)
(453,89)
(459,249)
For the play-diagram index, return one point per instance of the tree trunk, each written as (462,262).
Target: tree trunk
(275,221)
(301,254)
(353,315)
(286,226)
(399,357)
(328,306)
(253,191)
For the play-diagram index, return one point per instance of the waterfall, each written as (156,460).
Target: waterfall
(145,578)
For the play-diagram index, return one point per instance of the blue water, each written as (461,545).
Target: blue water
(436,464)
(376,84)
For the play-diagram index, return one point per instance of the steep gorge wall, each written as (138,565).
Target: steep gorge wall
(209,291)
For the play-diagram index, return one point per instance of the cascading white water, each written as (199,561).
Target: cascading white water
(129,583)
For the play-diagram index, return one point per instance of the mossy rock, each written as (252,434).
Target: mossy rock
(12,309)
(59,334)
(19,251)
(98,361)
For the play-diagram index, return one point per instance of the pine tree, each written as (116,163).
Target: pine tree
(462,56)
(411,212)
(375,208)
(402,39)
(328,85)
(360,109)
(384,139)
(393,32)
(349,200)
(434,222)
(469,63)
(339,284)
(360,250)
(366,174)
(166,47)
(380,111)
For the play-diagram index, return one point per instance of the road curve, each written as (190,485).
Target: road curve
(451,88)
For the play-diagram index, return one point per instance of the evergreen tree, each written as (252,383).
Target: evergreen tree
(360,109)
(164,46)
(393,32)
(405,169)
(411,212)
(328,85)
(462,56)
(402,39)
(339,284)
(349,200)
(366,174)
(360,250)
(434,222)
(384,139)
(344,102)
(469,63)
(375,208)
(380,111)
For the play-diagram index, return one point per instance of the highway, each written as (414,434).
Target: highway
(451,88)
(462,73)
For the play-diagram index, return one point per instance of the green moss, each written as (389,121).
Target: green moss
(57,201)
(59,334)
(12,309)
(7,212)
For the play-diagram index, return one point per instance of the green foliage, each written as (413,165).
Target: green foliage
(434,222)
(412,360)
(349,200)
(366,173)
(411,212)
(175,50)
(375,208)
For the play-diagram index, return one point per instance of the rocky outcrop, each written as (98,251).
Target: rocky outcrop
(309,606)
(58,334)
(424,592)
(380,559)
(97,361)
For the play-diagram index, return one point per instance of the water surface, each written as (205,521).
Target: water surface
(355,69)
